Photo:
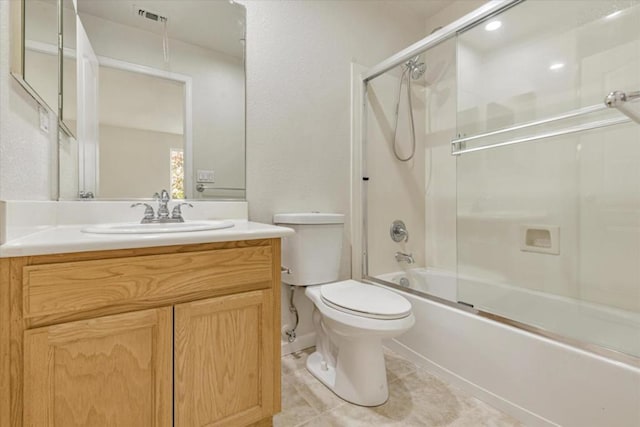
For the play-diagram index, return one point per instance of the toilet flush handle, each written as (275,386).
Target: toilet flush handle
(284,269)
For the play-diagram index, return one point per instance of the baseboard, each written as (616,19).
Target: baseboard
(528,418)
(301,342)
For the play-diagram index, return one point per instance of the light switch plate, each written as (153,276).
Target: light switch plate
(203,175)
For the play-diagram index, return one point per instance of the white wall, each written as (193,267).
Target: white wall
(395,190)
(26,153)
(298,111)
(121,151)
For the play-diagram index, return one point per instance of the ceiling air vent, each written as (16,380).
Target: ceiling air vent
(153,16)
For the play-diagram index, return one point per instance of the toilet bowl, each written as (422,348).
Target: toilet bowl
(349,357)
(350,318)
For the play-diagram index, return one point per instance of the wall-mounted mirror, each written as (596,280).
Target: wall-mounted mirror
(37,67)
(155,97)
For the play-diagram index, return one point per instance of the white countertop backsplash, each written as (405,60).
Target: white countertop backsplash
(49,227)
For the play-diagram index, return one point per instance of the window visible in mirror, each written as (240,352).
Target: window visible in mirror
(177,173)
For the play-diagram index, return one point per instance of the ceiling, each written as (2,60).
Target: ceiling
(214,25)
(424,8)
(209,23)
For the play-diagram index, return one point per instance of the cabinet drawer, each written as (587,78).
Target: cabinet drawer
(137,282)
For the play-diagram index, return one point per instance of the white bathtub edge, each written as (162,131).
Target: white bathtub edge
(552,380)
(526,417)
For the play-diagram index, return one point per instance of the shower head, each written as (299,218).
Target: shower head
(416,69)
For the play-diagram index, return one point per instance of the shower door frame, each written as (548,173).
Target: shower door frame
(360,179)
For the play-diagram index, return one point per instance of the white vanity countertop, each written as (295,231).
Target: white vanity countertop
(70,238)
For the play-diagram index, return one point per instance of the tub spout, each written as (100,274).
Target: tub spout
(403,257)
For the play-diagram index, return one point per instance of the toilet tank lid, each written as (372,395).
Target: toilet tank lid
(308,218)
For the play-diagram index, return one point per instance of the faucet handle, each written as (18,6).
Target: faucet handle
(163,199)
(149,215)
(85,195)
(176,213)
(398,231)
(164,196)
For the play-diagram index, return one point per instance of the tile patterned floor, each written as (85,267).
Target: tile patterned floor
(416,398)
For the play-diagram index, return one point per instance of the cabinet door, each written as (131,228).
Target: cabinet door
(224,364)
(109,371)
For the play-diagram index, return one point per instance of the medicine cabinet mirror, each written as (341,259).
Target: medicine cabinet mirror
(34,60)
(153,98)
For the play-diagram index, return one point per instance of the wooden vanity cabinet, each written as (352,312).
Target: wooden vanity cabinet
(224,357)
(171,336)
(113,370)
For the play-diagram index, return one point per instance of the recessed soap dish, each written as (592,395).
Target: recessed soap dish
(540,238)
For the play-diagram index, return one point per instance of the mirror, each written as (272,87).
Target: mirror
(69,82)
(155,99)
(40,51)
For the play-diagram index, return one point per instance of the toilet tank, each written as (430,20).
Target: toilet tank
(313,254)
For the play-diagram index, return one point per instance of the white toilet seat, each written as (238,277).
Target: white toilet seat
(358,299)
(354,320)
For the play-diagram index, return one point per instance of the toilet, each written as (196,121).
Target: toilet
(351,318)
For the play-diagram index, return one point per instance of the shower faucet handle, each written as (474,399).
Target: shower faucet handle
(398,231)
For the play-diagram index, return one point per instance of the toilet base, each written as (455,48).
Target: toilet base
(324,373)
(356,379)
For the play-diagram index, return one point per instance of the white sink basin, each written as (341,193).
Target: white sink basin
(175,227)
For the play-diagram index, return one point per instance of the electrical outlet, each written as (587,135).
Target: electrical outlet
(205,176)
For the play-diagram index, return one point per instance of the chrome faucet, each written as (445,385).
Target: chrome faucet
(403,257)
(163,210)
(163,200)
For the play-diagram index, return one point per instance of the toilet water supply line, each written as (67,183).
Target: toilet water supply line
(291,333)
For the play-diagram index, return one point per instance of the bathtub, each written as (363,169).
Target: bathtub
(439,283)
(540,381)
(608,327)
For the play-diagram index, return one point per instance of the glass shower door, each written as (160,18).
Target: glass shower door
(548,217)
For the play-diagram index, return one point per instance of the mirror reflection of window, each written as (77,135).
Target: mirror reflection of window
(177,173)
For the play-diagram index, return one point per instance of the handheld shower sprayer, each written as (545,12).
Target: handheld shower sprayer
(413,70)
